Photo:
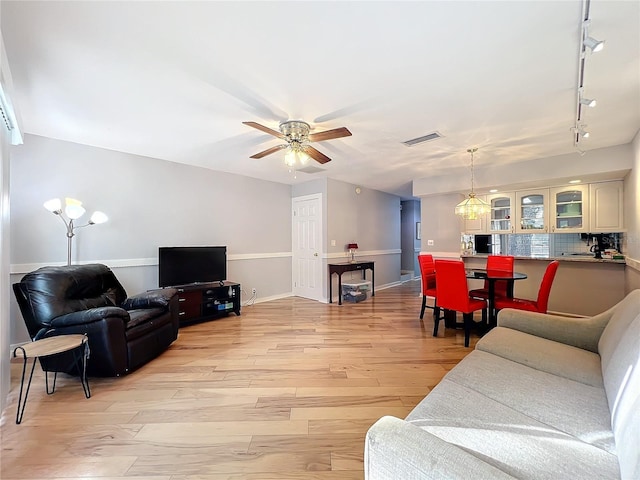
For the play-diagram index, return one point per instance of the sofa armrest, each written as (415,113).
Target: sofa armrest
(160,298)
(90,315)
(582,332)
(396,449)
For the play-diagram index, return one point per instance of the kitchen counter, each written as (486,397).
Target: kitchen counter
(583,285)
(563,258)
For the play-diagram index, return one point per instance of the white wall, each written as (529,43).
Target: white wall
(150,203)
(632,222)
(536,172)
(5,284)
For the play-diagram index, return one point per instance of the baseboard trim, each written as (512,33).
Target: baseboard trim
(632,263)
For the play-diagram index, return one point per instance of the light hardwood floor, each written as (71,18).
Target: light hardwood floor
(285,391)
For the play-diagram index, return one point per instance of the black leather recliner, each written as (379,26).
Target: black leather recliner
(124,333)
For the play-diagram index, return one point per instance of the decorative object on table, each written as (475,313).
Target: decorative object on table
(124,332)
(352,247)
(73,210)
(472,207)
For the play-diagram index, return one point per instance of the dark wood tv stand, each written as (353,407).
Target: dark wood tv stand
(206,301)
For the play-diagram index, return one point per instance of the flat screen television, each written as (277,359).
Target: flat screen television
(185,265)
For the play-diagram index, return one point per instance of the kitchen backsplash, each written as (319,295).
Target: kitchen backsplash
(549,245)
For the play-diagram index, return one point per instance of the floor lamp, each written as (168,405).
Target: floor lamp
(73,210)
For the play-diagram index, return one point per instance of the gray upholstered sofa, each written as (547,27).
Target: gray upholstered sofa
(540,397)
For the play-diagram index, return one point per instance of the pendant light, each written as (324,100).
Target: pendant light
(472,208)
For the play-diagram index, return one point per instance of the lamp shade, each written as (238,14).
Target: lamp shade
(74,211)
(352,246)
(472,207)
(98,218)
(54,205)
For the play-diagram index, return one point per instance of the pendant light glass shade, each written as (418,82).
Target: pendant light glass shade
(472,208)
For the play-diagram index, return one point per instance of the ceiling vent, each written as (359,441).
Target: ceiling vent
(424,138)
(310,169)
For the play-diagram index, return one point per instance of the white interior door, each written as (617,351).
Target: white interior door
(306,226)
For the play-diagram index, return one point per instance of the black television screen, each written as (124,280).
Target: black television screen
(184,265)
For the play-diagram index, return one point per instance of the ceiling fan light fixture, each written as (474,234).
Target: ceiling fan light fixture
(295,155)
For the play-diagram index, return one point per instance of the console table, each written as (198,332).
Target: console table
(340,268)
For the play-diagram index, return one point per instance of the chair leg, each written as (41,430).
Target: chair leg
(436,319)
(468,321)
(424,305)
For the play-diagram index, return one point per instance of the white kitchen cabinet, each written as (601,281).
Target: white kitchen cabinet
(501,219)
(606,207)
(569,209)
(532,211)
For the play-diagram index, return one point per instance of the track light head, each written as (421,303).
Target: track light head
(589,102)
(593,44)
(583,133)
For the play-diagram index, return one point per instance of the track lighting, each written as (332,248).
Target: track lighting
(593,44)
(589,102)
(583,133)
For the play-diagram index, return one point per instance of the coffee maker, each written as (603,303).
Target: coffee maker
(598,245)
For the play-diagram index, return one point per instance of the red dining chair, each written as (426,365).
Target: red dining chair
(452,293)
(428,275)
(538,305)
(495,262)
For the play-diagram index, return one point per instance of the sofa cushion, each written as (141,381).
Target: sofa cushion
(570,407)
(546,355)
(507,438)
(621,373)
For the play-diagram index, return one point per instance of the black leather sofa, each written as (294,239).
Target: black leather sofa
(124,333)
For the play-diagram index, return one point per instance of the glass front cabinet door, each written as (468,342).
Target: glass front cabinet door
(501,220)
(569,209)
(532,211)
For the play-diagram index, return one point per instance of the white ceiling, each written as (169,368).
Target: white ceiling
(174,80)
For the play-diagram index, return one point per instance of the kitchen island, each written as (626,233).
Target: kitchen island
(583,285)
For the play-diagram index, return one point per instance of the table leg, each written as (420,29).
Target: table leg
(82,358)
(23,401)
(373,282)
(339,288)
(330,286)
(493,320)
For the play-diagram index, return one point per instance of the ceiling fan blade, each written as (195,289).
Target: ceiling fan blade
(316,155)
(269,151)
(264,129)
(329,134)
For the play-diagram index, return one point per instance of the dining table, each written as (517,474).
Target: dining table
(492,276)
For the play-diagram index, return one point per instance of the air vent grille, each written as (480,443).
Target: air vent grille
(422,139)
(310,169)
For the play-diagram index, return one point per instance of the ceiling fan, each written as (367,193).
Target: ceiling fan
(296,134)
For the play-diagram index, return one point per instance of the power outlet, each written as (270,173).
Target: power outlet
(253,291)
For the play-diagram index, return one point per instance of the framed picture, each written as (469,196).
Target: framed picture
(418,228)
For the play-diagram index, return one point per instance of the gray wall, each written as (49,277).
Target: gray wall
(409,216)
(150,203)
(440,224)
(370,218)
